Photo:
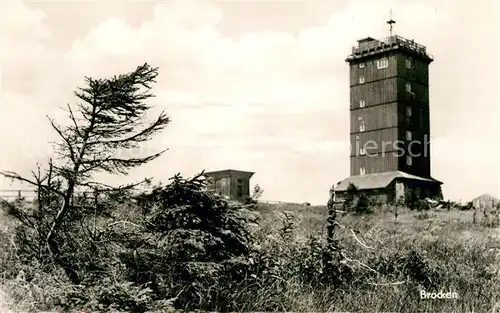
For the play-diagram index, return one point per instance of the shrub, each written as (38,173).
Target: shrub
(357,201)
(195,239)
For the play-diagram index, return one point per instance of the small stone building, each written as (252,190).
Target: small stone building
(233,184)
(486,201)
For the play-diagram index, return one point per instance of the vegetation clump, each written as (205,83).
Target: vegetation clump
(357,201)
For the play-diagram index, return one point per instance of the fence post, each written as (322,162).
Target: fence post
(19,194)
(332,255)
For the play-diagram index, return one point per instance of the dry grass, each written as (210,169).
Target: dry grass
(465,255)
(462,256)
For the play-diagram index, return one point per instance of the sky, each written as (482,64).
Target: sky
(260,86)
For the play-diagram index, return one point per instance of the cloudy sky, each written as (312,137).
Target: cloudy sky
(253,85)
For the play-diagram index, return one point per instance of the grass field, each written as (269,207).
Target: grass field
(464,256)
(391,260)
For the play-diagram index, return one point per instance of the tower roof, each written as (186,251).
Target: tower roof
(369,46)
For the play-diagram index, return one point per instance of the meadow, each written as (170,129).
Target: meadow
(386,263)
(394,259)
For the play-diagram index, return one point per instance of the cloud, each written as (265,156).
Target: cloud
(25,60)
(265,66)
(473,163)
(25,57)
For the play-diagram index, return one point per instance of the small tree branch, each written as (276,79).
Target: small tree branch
(66,139)
(112,164)
(140,136)
(15,176)
(359,241)
(358,262)
(73,119)
(388,284)
(122,222)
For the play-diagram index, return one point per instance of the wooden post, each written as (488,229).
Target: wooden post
(19,194)
(96,197)
(486,219)
(331,257)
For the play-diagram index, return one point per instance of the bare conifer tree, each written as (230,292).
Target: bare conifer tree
(108,121)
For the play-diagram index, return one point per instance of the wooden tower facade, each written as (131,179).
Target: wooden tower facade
(389,107)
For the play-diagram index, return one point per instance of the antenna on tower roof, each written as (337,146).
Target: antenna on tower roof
(390,22)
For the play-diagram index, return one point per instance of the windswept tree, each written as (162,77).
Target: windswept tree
(109,119)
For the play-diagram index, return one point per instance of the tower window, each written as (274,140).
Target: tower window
(362,126)
(409,63)
(382,63)
(361,79)
(409,160)
(408,111)
(408,87)
(362,103)
(408,135)
(362,171)
(361,65)
(362,151)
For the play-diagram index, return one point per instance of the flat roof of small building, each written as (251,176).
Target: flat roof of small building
(227,171)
